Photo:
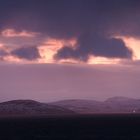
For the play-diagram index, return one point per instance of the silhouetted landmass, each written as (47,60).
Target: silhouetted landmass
(68,125)
(69,107)
(31,108)
(111,105)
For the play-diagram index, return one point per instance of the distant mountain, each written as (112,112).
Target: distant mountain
(124,104)
(31,108)
(69,107)
(111,105)
(121,99)
(81,106)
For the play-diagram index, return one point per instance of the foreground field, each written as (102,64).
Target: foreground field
(95,127)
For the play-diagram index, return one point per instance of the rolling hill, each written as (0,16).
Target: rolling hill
(111,105)
(69,107)
(31,108)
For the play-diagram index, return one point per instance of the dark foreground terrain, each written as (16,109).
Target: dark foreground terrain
(95,127)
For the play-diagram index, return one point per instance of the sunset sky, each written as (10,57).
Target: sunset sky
(65,49)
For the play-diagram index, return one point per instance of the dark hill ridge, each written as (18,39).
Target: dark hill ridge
(31,108)
(111,105)
(21,102)
(81,106)
(69,107)
(120,99)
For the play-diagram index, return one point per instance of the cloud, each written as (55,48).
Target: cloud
(94,23)
(3,53)
(13,33)
(42,52)
(29,53)
(97,46)
(50,47)
(70,18)
(133,44)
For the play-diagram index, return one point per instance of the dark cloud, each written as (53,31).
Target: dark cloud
(97,46)
(68,18)
(68,52)
(74,18)
(29,53)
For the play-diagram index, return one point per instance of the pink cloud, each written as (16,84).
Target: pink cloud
(14,33)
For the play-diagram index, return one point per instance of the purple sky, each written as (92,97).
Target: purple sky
(50,82)
(66,49)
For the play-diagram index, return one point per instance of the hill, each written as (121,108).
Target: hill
(111,105)
(31,108)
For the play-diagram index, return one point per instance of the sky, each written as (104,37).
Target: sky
(64,49)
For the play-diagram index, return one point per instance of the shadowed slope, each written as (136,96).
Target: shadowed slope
(30,108)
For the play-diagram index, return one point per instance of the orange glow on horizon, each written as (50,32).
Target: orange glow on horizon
(14,33)
(70,60)
(103,60)
(50,48)
(133,44)
(11,58)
